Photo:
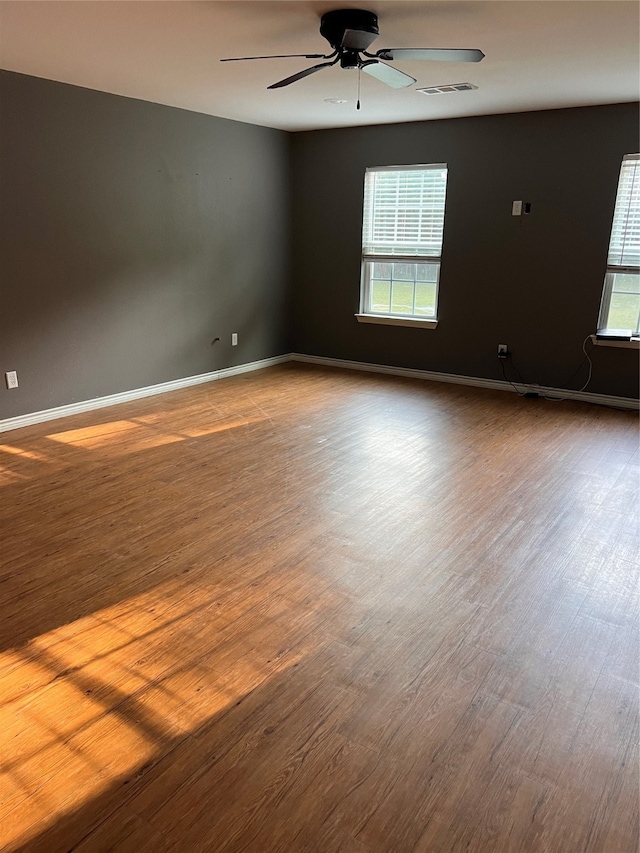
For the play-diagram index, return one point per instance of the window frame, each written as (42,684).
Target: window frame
(614,269)
(368,258)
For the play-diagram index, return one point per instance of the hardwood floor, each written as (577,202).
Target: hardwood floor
(312,610)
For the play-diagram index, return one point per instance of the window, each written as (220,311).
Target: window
(620,307)
(402,231)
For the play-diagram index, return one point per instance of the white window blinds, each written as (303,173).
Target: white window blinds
(624,248)
(404,211)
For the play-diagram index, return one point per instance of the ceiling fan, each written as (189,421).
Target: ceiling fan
(350,32)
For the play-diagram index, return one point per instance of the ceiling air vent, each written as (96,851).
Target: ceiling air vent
(443,90)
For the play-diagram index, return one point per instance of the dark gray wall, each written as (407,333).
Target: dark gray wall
(132,234)
(531,282)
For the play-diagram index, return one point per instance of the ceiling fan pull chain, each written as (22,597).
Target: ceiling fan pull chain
(359,73)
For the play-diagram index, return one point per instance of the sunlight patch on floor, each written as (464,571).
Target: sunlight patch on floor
(27,454)
(90,702)
(128,436)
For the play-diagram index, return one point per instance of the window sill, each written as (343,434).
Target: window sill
(634,343)
(389,320)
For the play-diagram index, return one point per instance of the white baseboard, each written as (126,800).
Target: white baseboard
(136,394)
(174,385)
(475,381)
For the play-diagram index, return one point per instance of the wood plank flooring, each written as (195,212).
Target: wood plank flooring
(313,610)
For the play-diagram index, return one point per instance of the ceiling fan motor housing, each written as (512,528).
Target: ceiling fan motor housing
(350,59)
(334,24)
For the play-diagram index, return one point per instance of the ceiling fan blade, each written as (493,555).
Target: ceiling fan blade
(434,54)
(281,56)
(387,74)
(358,39)
(295,77)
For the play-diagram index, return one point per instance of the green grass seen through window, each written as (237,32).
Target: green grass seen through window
(624,307)
(623,311)
(397,297)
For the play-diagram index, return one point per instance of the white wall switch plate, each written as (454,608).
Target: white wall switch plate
(516,208)
(234,339)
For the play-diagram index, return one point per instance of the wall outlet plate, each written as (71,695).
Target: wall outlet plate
(11,378)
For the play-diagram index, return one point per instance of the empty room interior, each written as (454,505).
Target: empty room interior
(319,451)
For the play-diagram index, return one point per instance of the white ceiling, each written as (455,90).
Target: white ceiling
(539,55)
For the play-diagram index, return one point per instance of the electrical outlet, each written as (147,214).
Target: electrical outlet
(11,378)
(503,350)
(234,339)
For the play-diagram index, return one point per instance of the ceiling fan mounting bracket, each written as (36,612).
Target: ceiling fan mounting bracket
(333,25)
